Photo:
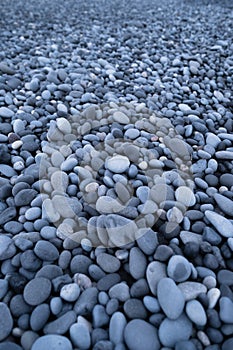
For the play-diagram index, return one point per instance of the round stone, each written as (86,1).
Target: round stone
(52,342)
(80,336)
(64,125)
(170,298)
(185,195)
(179,268)
(140,335)
(70,292)
(37,291)
(117,164)
(108,262)
(120,117)
(6,321)
(173,331)
(46,251)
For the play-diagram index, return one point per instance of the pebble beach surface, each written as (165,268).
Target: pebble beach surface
(116,175)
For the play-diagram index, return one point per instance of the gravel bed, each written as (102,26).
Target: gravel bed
(116,175)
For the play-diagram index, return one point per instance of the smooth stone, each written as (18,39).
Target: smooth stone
(3,287)
(140,335)
(185,195)
(226,310)
(70,292)
(24,197)
(147,240)
(6,112)
(108,263)
(108,205)
(39,317)
(213,296)
(86,301)
(228,155)
(7,345)
(134,308)
(196,312)
(7,170)
(173,331)
(80,263)
(222,225)
(62,324)
(99,316)
(64,125)
(119,291)
(225,277)
(186,345)
(151,304)
(154,273)
(80,336)
(224,203)
(170,298)
(52,342)
(137,263)
(50,272)
(7,247)
(6,321)
(212,140)
(226,180)
(7,215)
(191,290)
(117,164)
(179,268)
(228,344)
(59,181)
(117,325)
(46,251)
(37,291)
(121,118)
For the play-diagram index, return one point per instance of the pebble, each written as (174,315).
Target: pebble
(39,317)
(62,324)
(224,203)
(7,247)
(117,325)
(37,291)
(225,277)
(154,273)
(186,196)
(121,118)
(191,290)
(99,316)
(108,263)
(53,342)
(117,164)
(108,205)
(80,336)
(147,240)
(170,298)
(222,225)
(196,312)
(6,112)
(134,309)
(173,331)
(6,321)
(139,335)
(70,292)
(119,291)
(226,310)
(24,197)
(137,263)
(179,268)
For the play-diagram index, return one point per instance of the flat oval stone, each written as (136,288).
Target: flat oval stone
(108,205)
(173,331)
(108,263)
(52,342)
(224,203)
(80,336)
(222,225)
(185,195)
(226,310)
(46,251)
(6,112)
(120,117)
(6,321)
(24,197)
(7,247)
(140,335)
(39,317)
(137,263)
(116,327)
(64,125)
(59,181)
(37,291)
(117,164)
(196,312)
(119,291)
(170,298)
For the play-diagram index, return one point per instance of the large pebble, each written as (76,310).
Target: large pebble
(37,291)
(6,112)
(121,117)
(173,331)
(6,321)
(224,203)
(179,268)
(52,342)
(7,247)
(39,317)
(108,263)
(108,205)
(191,290)
(116,328)
(226,310)
(196,312)
(185,195)
(140,335)
(24,197)
(46,251)
(70,292)
(154,273)
(62,324)
(222,225)
(137,263)
(80,336)
(170,298)
(117,164)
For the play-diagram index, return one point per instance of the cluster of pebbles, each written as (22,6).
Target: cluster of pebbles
(116,175)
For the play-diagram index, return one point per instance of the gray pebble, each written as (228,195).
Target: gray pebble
(196,312)
(116,328)
(61,325)
(53,342)
(80,336)
(108,262)
(140,335)
(37,291)
(137,263)
(179,268)
(39,317)
(173,331)
(6,321)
